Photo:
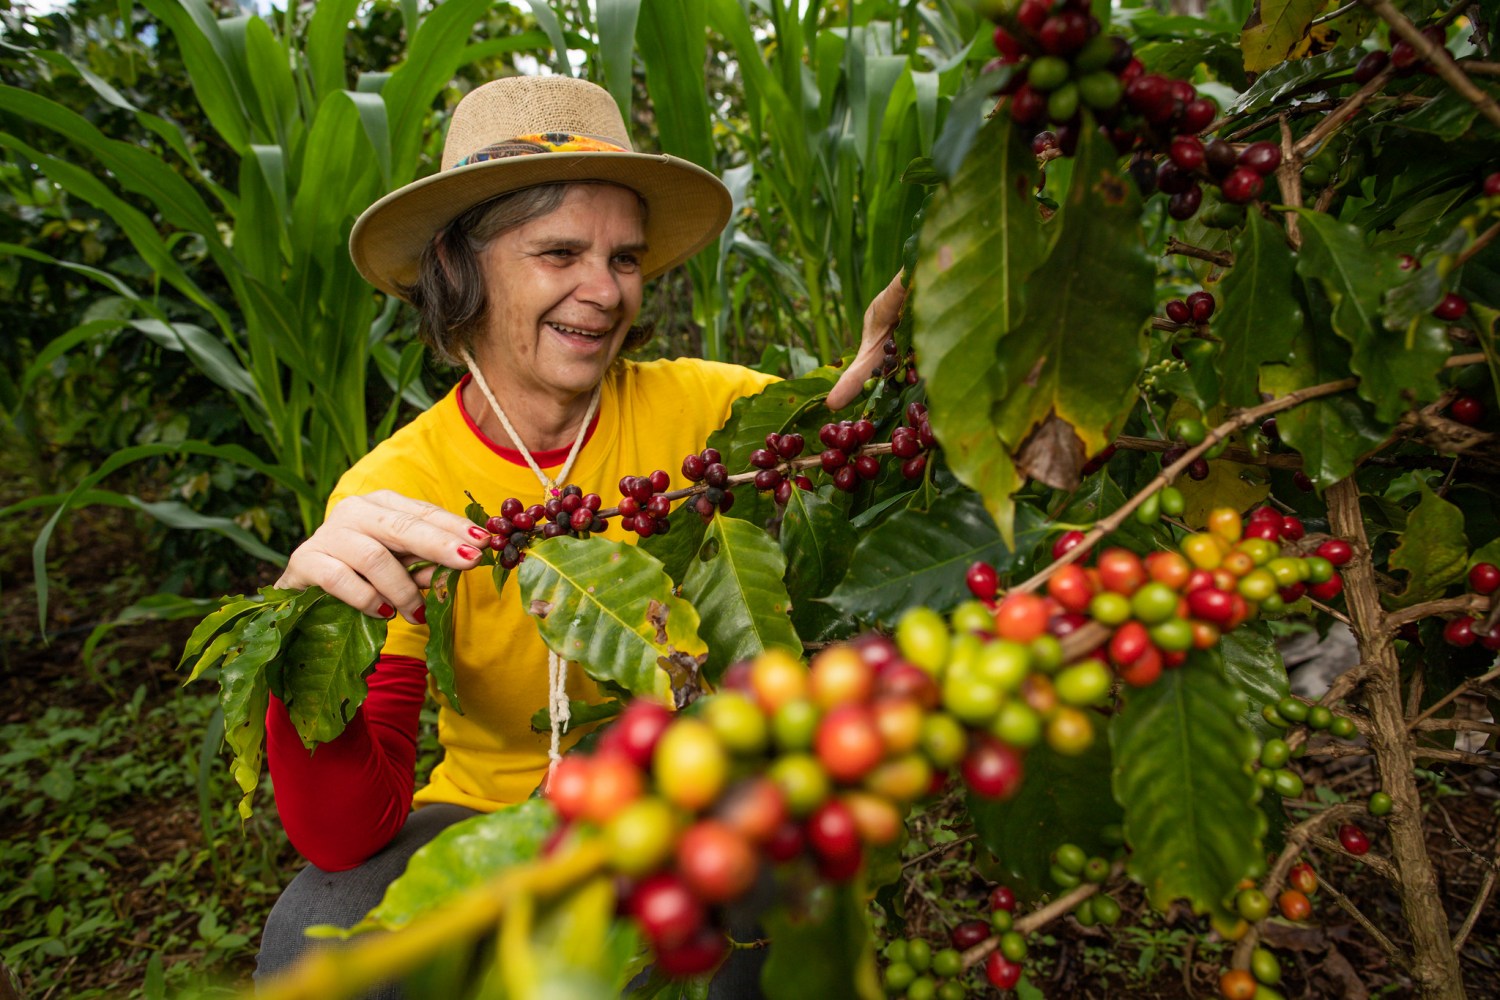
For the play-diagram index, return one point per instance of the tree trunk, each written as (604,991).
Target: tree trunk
(1434,965)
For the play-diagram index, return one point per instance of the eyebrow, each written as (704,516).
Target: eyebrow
(564,243)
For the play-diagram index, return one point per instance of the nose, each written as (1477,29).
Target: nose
(599,284)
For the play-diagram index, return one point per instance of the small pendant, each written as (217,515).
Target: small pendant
(555,491)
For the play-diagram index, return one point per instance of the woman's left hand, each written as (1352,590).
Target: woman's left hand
(880,321)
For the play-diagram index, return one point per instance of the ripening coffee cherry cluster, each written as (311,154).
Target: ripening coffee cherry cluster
(644,505)
(573,512)
(842,458)
(919,973)
(1464,631)
(911,441)
(771,476)
(708,467)
(1063,64)
(1196,310)
(1169,603)
(787,763)
(894,368)
(1273,773)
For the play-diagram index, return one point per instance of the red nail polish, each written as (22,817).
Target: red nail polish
(468,552)
(385,611)
(420,614)
(478,534)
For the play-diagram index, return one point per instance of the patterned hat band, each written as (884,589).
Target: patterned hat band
(544,142)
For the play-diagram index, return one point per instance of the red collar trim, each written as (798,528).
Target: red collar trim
(543,459)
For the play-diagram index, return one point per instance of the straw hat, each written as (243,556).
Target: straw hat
(521,131)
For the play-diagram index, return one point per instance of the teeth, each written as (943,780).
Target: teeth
(573,329)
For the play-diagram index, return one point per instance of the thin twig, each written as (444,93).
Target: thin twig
(1223,258)
(1481,241)
(939,849)
(1374,862)
(1037,919)
(1483,897)
(1426,753)
(1279,460)
(1385,943)
(1466,603)
(1347,110)
(1331,15)
(1330,611)
(1289,179)
(1437,56)
(1167,475)
(1457,726)
(1455,693)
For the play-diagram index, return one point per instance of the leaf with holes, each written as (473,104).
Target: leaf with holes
(735,584)
(1180,749)
(323,668)
(609,606)
(439,601)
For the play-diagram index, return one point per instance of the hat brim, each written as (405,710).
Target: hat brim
(688,207)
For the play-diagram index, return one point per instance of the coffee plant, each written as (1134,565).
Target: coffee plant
(1184,361)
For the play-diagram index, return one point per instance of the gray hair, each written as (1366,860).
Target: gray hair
(450,293)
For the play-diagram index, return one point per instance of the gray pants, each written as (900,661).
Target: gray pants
(343,898)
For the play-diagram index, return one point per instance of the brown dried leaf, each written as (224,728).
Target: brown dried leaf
(1053,454)
(684,671)
(656,614)
(540,609)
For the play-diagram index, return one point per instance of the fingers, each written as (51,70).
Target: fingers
(881,318)
(360,554)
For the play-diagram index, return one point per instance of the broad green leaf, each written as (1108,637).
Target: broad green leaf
(1096,498)
(1180,750)
(1078,350)
(1291,76)
(609,606)
(440,599)
(676,549)
(783,407)
(818,542)
(734,582)
(1433,551)
(245,692)
(1063,800)
(324,665)
(1258,316)
(824,952)
(1275,29)
(580,713)
(1396,372)
(325,45)
(958,332)
(921,558)
(462,857)
(576,947)
(208,64)
(1253,665)
(1448,115)
(230,609)
(1330,432)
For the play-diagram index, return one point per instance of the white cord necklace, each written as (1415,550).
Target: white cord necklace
(558,711)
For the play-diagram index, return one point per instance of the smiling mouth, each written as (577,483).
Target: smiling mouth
(579,332)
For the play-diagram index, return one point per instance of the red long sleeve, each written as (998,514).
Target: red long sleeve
(345,801)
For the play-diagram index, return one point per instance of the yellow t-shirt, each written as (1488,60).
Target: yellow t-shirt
(651,415)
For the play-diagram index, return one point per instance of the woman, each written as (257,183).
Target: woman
(526,256)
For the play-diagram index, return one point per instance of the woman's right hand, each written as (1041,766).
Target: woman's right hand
(361,552)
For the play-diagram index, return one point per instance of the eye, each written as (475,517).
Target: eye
(627,261)
(559,253)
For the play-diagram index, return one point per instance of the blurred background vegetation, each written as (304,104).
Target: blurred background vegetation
(189,360)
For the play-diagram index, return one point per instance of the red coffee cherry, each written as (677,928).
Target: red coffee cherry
(1484,578)
(1466,410)
(1452,308)
(1353,839)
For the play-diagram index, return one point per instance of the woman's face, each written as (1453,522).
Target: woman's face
(564,290)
